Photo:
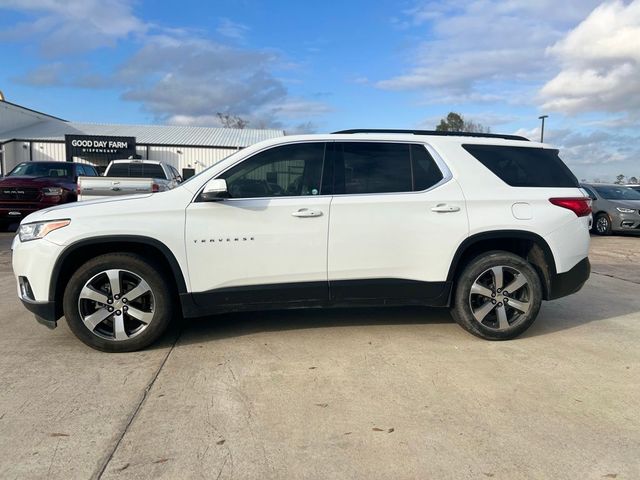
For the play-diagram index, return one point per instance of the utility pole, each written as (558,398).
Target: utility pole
(542,117)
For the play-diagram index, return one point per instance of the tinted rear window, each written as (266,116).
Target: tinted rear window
(119,170)
(137,170)
(377,167)
(524,166)
(425,171)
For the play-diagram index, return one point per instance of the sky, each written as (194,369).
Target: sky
(323,66)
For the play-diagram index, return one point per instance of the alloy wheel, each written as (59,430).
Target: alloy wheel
(499,297)
(116,304)
(602,224)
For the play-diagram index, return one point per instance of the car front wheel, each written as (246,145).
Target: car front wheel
(118,302)
(497,296)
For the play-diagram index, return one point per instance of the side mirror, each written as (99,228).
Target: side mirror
(215,190)
(179,178)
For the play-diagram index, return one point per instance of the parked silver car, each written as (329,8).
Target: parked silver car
(616,208)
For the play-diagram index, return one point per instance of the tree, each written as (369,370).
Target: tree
(620,179)
(633,180)
(232,121)
(455,122)
(452,123)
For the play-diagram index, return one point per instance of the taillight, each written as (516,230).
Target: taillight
(155,188)
(581,206)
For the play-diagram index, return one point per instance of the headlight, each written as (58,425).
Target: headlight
(52,191)
(625,210)
(33,231)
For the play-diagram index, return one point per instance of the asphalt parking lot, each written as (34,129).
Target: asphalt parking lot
(374,393)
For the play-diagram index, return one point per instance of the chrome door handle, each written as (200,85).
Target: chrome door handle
(305,213)
(444,208)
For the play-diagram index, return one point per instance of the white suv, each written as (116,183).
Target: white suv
(489,225)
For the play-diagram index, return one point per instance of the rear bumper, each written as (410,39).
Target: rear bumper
(563,284)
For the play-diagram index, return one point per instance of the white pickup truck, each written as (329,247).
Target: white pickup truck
(127,177)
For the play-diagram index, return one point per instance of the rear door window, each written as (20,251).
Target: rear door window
(375,167)
(379,167)
(425,170)
(524,166)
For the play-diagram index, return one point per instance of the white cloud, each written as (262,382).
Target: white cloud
(178,75)
(69,26)
(493,53)
(299,108)
(44,75)
(231,29)
(600,61)
(472,48)
(188,80)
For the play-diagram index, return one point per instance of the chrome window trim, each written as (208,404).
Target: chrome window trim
(447,176)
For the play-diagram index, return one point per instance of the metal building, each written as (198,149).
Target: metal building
(28,135)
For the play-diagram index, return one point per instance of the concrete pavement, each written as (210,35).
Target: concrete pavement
(387,393)
(617,256)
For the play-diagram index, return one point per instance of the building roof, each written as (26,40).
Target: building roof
(55,130)
(14,116)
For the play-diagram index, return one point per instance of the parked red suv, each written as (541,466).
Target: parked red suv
(31,186)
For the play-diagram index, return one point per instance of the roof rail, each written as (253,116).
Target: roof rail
(435,133)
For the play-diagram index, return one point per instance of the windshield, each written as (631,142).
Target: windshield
(51,169)
(618,193)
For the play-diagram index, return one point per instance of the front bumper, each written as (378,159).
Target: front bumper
(18,212)
(34,261)
(624,222)
(45,312)
(563,284)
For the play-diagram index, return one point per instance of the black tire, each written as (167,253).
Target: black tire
(157,305)
(479,272)
(602,224)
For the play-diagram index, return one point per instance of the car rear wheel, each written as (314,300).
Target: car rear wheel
(497,296)
(602,224)
(118,303)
